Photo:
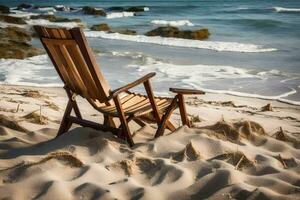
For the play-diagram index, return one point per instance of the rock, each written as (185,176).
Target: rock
(105,27)
(24,6)
(164,32)
(136,9)
(12,20)
(100,27)
(176,33)
(14,43)
(53,18)
(4,9)
(92,11)
(125,32)
(15,33)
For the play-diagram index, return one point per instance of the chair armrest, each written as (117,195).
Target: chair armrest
(125,88)
(186,91)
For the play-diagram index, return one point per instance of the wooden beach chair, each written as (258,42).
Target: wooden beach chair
(76,65)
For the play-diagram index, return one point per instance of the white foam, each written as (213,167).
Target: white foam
(45,22)
(196,76)
(146,9)
(62,7)
(178,42)
(19,13)
(242,94)
(47,9)
(173,23)
(119,15)
(273,72)
(29,72)
(127,54)
(194,73)
(282,9)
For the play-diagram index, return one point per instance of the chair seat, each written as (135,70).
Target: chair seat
(134,105)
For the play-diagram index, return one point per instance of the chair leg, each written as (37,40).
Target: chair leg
(76,109)
(165,119)
(170,126)
(124,124)
(151,98)
(108,121)
(73,102)
(65,123)
(139,122)
(184,118)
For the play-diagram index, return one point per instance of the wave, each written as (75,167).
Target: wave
(178,42)
(173,23)
(38,71)
(62,8)
(198,79)
(46,9)
(29,72)
(18,13)
(246,10)
(119,15)
(286,10)
(44,22)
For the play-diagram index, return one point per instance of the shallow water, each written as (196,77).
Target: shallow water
(254,48)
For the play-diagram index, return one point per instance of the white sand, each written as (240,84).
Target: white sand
(233,153)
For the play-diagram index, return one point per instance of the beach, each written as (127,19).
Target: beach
(237,149)
(244,136)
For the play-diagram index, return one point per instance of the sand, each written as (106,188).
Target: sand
(238,148)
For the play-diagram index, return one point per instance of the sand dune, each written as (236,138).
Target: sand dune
(229,154)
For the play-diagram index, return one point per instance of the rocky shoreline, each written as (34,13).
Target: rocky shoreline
(16,33)
(15,43)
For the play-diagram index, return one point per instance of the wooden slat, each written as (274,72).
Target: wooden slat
(83,71)
(62,33)
(41,33)
(90,60)
(45,32)
(50,33)
(67,33)
(133,100)
(138,105)
(161,107)
(136,99)
(59,42)
(146,106)
(60,68)
(56,33)
(73,71)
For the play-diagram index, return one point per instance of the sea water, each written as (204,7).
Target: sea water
(253,50)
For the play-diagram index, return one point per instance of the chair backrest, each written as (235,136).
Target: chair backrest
(74,61)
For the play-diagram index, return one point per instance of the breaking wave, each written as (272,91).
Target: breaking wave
(286,10)
(173,23)
(178,42)
(119,15)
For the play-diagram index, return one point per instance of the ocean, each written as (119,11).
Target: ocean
(253,50)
